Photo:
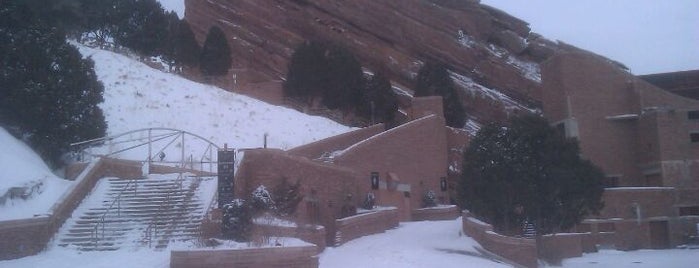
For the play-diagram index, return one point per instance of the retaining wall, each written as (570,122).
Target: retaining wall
(25,237)
(440,213)
(519,250)
(282,257)
(20,238)
(314,234)
(356,226)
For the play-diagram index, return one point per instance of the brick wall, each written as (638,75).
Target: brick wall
(313,234)
(281,257)
(20,238)
(653,202)
(28,236)
(440,213)
(519,250)
(365,224)
(589,90)
(25,237)
(556,247)
(416,153)
(324,187)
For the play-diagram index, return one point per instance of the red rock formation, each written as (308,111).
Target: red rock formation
(492,49)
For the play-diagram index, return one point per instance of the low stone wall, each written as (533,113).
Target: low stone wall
(559,246)
(440,213)
(20,238)
(313,234)
(301,257)
(25,237)
(365,224)
(519,250)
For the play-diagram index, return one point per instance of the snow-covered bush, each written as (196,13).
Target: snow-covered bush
(369,201)
(237,221)
(430,199)
(261,200)
(287,197)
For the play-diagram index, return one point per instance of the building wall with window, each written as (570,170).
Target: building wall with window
(641,136)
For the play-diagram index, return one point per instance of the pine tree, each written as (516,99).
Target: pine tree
(345,80)
(141,25)
(182,48)
(49,93)
(379,103)
(528,170)
(215,59)
(307,72)
(236,222)
(100,19)
(434,80)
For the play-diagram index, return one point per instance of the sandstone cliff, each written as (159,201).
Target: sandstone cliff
(493,56)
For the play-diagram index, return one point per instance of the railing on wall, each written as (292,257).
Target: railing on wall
(191,150)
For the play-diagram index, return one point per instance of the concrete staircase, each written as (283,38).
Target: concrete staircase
(147,212)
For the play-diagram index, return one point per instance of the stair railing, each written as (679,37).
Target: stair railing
(95,234)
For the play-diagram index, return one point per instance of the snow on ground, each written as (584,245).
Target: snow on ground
(137,96)
(413,244)
(22,167)
(675,258)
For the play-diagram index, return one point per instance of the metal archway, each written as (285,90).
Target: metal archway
(163,146)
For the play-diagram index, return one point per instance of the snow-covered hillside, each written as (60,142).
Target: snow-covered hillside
(22,169)
(137,96)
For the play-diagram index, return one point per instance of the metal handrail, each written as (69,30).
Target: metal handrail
(152,228)
(94,234)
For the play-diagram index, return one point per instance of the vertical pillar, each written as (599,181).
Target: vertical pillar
(226,170)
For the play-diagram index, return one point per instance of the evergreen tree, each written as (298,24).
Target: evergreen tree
(100,18)
(236,222)
(182,48)
(307,72)
(49,93)
(141,25)
(379,103)
(528,170)
(328,72)
(215,56)
(434,80)
(345,80)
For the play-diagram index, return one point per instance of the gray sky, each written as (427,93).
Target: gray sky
(648,36)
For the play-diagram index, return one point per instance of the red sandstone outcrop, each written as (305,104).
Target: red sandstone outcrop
(494,55)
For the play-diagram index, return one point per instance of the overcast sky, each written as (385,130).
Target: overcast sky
(648,36)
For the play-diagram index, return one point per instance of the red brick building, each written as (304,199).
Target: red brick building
(410,160)
(644,138)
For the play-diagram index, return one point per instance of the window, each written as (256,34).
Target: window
(694,137)
(610,182)
(689,211)
(693,115)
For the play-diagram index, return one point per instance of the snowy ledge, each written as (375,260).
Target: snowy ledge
(438,207)
(234,254)
(639,189)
